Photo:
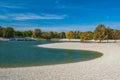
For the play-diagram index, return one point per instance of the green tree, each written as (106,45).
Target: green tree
(37,33)
(77,34)
(46,35)
(51,34)
(62,35)
(18,34)
(100,33)
(27,33)
(8,32)
(70,35)
(1,31)
(56,35)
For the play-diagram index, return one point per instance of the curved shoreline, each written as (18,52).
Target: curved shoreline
(104,68)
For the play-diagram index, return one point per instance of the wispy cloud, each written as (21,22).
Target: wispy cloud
(31,16)
(10,6)
(79,8)
(27,16)
(65,28)
(57,28)
(3,17)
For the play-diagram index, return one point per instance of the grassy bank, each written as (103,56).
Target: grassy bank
(42,39)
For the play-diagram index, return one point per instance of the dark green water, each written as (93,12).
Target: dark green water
(21,54)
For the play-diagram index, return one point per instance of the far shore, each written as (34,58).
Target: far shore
(92,41)
(106,67)
(56,39)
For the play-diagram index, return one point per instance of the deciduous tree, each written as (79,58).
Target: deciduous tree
(99,33)
(46,35)
(62,35)
(1,31)
(115,34)
(70,35)
(8,32)
(37,33)
(86,36)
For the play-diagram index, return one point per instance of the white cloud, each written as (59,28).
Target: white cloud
(3,17)
(52,16)
(80,7)
(24,16)
(10,5)
(31,16)
(58,28)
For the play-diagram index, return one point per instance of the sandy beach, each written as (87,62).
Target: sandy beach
(106,67)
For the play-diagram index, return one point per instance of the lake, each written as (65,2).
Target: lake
(25,54)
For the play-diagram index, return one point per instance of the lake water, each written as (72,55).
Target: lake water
(22,54)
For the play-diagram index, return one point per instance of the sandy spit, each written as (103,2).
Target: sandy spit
(106,67)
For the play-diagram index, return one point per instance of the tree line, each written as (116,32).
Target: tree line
(100,33)
(10,32)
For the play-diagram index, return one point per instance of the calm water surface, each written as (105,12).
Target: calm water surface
(21,54)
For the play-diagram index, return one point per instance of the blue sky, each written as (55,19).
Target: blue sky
(59,15)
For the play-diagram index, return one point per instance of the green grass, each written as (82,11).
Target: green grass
(42,39)
(54,39)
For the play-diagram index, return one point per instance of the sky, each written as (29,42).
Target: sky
(59,15)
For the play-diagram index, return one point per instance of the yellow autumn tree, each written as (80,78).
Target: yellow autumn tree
(115,34)
(70,35)
(86,36)
(100,33)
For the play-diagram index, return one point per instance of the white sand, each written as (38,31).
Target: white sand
(106,67)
